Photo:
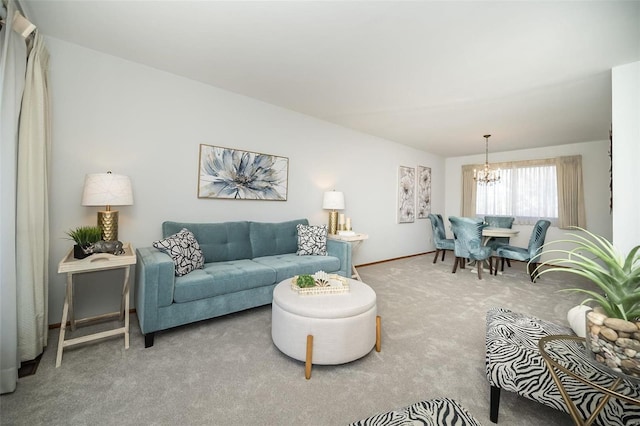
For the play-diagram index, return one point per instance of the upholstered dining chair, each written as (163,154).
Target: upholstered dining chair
(439,236)
(531,253)
(468,243)
(499,222)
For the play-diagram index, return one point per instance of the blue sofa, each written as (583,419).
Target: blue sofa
(244,261)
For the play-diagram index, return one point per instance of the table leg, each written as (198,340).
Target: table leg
(63,323)
(378,333)
(308,364)
(355,275)
(125,306)
(72,317)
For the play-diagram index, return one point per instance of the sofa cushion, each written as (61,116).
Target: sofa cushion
(219,241)
(312,240)
(289,265)
(183,248)
(220,278)
(268,239)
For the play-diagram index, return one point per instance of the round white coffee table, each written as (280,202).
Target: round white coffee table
(325,329)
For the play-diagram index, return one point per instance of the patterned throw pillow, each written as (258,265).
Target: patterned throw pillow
(312,240)
(184,250)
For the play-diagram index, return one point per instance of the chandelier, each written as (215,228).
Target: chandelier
(487,175)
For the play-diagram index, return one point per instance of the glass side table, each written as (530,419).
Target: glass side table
(566,356)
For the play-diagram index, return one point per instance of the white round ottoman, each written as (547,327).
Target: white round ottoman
(325,328)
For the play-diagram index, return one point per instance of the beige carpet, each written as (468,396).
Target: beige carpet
(226,371)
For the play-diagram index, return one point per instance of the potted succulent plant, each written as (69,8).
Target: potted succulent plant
(613,328)
(84,237)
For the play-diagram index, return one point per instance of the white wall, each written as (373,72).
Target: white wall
(595,165)
(112,114)
(626,156)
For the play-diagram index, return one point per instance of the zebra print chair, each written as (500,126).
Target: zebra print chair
(440,412)
(514,363)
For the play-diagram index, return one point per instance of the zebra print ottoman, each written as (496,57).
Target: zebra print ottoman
(514,363)
(433,412)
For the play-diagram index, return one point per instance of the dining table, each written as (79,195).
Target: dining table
(490,232)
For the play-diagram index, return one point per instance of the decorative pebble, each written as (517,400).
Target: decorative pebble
(620,325)
(609,334)
(628,343)
(596,317)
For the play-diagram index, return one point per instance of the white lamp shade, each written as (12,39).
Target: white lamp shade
(107,189)
(333,200)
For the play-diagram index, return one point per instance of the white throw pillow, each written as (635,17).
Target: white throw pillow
(577,319)
(184,250)
(312,240)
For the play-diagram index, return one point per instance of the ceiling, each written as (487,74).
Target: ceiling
(434,75)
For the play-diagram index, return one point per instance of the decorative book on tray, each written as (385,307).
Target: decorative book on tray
(319,283)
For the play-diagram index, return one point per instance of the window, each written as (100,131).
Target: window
(526,191)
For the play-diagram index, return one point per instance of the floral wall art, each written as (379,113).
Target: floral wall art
(424,192)
(406,194)
(241,175)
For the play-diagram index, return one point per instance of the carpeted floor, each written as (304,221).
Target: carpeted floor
(226,371)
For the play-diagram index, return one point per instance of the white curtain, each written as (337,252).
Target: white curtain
(13,58)
(32,239)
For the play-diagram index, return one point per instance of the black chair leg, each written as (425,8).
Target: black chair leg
(455,265)
(435,258)
(479,262)
(508,263)
(495,404)
(443,253)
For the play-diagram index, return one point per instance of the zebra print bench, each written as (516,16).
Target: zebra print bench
(514,363)
(440,412)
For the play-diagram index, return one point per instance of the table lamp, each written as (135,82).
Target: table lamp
(107,189)
(333,200)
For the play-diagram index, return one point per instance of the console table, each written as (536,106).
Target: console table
(93,263)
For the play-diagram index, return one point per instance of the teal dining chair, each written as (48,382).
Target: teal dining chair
(499,222)
(468,243)
(440,239)
(530,254)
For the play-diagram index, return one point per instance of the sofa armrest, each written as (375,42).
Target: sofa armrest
(155,281)
(341,250)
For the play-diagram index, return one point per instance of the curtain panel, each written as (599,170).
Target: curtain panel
(13,61)
(571,210)
(469,190)
(32,221)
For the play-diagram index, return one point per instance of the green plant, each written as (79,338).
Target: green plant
(595,259)
(85,235)
(305,281)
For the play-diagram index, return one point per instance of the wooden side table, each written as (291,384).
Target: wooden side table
(93,263)
(355,241)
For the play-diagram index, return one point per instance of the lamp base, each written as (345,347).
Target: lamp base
(108,222)
(333,222)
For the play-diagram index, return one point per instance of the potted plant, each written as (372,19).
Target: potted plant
(84,237)
(613,328)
